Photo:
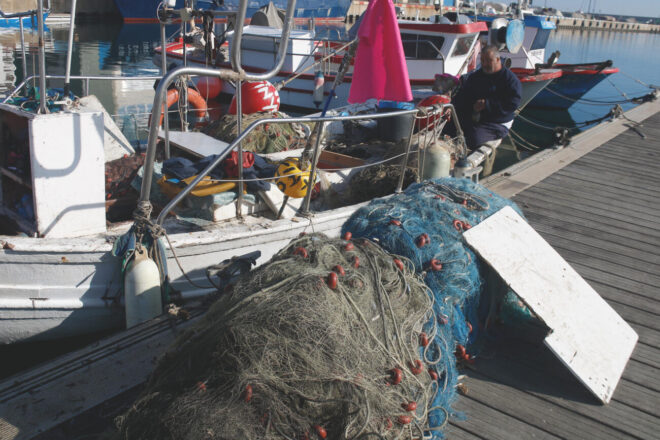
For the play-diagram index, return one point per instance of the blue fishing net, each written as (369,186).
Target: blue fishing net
(425,224)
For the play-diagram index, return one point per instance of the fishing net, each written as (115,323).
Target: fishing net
(425,224)
(267,138)
(321,342)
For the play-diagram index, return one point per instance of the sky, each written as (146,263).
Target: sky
(644,8)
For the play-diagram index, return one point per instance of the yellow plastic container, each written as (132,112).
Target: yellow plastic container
(206,187)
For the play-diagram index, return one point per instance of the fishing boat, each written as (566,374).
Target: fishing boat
(575,79)
(146,11)
(58,276)
(26,19)
(431,47)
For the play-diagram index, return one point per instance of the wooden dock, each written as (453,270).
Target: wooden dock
(596,202)
(601,212)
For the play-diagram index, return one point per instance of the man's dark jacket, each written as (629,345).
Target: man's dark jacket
(502,92)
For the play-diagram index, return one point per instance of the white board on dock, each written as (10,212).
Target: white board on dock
(586,334)
(196,143)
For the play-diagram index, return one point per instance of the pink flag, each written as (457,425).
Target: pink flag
(380,69)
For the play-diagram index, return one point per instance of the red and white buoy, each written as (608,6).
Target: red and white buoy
(258,96)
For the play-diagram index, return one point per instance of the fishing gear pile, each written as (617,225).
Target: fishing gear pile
(321,342)
(268,138)
(425,224)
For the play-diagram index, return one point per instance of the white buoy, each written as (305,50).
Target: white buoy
(437,162)
(319,88)
(142,289)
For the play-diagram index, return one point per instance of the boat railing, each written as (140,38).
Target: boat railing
(428,114)
(85,78)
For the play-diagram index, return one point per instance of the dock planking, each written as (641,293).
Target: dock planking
(602,215)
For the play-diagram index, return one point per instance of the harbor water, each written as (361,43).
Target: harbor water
(115,49)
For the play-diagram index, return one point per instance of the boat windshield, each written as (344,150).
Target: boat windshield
(421,47)
(541,39)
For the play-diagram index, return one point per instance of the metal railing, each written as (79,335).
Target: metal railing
(85,78)
(431,111)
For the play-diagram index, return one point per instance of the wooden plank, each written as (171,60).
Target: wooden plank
(648,355)
(634,207)
(558,295)
(457,432)
(632,210)
(535,409)
(604,277)
(596,263)
(610,153)
(614,247)
(494,424)
(641,374)
(581,184)
(520,365)
(556,222)
(617,165)
(602,213)
(584,169)
(596,178)
(618,228)
(639,397)
(632,267)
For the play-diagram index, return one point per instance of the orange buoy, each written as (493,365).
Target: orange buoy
(209,86)
(194,99)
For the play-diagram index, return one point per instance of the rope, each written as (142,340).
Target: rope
(540,124)
(281,84)
(145,226)
(594,102)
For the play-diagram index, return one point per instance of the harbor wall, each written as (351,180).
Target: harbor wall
(603,25)
(423,12)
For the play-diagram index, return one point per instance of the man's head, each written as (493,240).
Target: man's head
(490,60)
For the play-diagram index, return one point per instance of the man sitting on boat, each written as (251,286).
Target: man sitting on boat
(487,100)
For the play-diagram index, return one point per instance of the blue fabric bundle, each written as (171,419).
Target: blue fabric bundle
(425,224)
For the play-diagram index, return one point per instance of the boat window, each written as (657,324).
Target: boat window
(421,47)
(463,45)
(541,39)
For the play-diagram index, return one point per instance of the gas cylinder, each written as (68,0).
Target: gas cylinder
(319,81)
(141,289)
(437,162)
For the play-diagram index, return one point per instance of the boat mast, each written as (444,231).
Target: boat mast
(42,59)
(69,51)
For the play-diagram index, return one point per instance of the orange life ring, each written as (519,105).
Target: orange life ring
(194,99)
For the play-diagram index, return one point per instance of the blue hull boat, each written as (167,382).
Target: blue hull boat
(576,80)
(28,22)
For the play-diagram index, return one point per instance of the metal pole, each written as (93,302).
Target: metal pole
(239,118)
(405,159)
(42,59)
(69,52)
(163,72)
(20,21)
(315,158)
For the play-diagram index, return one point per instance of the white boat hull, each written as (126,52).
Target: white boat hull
(58,288)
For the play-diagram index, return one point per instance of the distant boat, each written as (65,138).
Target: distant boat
(8,20)
(430,48)
(144,11)
(576,79)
